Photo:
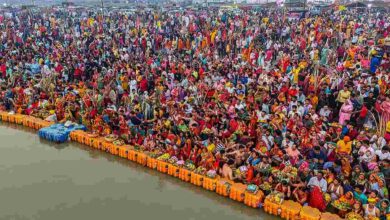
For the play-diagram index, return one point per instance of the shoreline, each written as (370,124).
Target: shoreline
(235,191)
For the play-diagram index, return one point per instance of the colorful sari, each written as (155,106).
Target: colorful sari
(345,112)
(316,199)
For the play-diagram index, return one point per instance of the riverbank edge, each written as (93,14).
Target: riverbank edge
(236,191)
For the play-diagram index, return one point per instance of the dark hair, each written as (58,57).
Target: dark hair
(361,188)
(374,191)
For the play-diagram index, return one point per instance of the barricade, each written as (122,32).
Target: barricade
(210,183)
(19,119)
(253,199)
(106,146)
(4,116)
(98,143)
(196,179)
(91,141)
(131,155)
(76,136)
(185,175)
(39,124)
(173,170)
(329,216)
(114,149)
(237,192)
(28,121)
(85,138)
(290,210)
(151,162)
(271,207)
(223,187)
(310,213)
(35,124)
(141,158)
(73,135)
(123,150)
(162,166)
(11,118)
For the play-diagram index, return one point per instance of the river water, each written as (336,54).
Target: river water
(45,181)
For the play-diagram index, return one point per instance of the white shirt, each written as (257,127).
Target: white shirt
(382,156)
(322,183)
(260,116)
(325,112)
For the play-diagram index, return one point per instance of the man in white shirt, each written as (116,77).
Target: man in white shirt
(383,154)
(293,112)
(301,109)
(318,181)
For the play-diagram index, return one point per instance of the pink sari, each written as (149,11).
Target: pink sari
(345,112)
(385,113)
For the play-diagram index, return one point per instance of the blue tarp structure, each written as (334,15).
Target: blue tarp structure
(58,132)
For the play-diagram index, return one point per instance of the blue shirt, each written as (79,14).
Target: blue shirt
(361,197)
(253,161)
(375,62)
(319,156)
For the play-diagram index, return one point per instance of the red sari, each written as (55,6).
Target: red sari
(316,199)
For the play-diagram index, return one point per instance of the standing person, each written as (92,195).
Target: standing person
(318,186)
(345,112)
(343,96)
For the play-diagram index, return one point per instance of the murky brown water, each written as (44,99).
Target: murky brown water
(45,181)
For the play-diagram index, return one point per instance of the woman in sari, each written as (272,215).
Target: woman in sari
(316,199)
(345,112)
(385,116)
(305,143)
(374,183)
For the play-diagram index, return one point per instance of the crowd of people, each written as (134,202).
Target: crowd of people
(295,105)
